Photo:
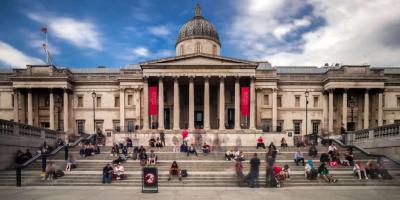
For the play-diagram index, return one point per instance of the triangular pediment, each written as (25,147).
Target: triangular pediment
(198,59)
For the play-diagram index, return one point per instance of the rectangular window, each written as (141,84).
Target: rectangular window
(266,125)
(98,101)
(398,101)
(279,101)
(80,125)
(316,101)
(130,100)
(279,127)
(99,124)
(116,125)
(266,99)
(44,124)
(384,122)
(130,125)
(397,121)
(297,101)
(315,127)
(297,126)
(80,101)
(116,101)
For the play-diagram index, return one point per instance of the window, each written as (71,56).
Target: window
(130,100)
(297,101)
(266,125)
(44,124)
(198,47)
(80,101)
(98,101)
(297,126)
(116,125)
(80,125)
(130,125)
(397,121)
(279,103)
(116,101)
(181,50)
(316,101)
(266,99)
(279,126)
(315,127)
(398,101)
(214,49)
(384,122)
(99,124)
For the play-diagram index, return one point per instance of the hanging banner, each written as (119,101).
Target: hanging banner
(153,100)
(244,101)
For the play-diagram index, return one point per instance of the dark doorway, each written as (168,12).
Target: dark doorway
(167,118)
(198,119)
(351,126)
(231,118)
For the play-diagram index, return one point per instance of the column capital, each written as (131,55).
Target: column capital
(160,78)
(345,89)
(191,77)
(222,77)
(274,90)
(330,90)
(367,90)
(207,77)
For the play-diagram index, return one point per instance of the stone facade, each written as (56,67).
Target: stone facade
(200,89)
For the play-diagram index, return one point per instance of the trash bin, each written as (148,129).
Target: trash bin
(149,180)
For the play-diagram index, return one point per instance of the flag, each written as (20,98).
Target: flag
(44,29)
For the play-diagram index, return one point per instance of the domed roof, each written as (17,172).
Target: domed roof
(198,27)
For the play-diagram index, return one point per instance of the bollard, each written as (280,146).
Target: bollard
(19,176)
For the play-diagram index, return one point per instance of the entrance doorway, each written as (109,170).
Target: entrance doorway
(198,119)
(351,126)
(231,118)
(167,118)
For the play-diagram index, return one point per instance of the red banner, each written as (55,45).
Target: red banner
(245,101)
(153,101)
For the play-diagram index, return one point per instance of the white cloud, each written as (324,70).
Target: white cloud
(82,34)
(355,32)
(141,52)
(15,58)
(159,31)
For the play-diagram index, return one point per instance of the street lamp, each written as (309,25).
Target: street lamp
(94,111)
(306,95)
(351,104)
(58,106)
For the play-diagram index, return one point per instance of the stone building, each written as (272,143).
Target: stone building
(199,88)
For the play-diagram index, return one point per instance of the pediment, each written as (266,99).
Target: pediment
(198,59)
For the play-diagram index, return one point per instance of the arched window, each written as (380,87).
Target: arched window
(214,49)
(181,50)
(198,47)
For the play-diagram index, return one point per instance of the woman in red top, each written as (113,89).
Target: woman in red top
(260,143)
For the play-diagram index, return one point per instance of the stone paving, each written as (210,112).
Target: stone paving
(125,193)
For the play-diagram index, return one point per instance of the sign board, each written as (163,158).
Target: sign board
(150,180)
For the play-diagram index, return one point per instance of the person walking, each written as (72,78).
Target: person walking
(254,170)
(343,133)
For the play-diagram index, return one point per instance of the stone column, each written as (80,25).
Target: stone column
(344,111)
(366,109)
(221,104)
(325,108)
(206,103)
(51,107)
(330,112)
(274,109)
(160,104)
(16,105)
(66,109)
(30,107)
(380,108)
(252,104)
(191,103)
(237,103)
(146,104)
(176,104)
(122,109)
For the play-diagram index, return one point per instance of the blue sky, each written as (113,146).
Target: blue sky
(89,33)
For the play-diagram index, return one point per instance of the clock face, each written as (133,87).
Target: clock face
(150,178)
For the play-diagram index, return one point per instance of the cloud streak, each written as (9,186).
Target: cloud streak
(13,57)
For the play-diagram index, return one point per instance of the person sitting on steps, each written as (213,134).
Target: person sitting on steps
(119,171)
(298,157)
(152,142)
(324,174)
(309,171)
(174,170)
(192,150)
(313,152)
(359,170)
(284,143)
(229,155)
(108,172)
(152,158)
(206,149)
(260,143)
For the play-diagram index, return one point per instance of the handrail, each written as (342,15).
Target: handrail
(359,149)
(44,157)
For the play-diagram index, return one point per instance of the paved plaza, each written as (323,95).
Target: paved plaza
(122,193)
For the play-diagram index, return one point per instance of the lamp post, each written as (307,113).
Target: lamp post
(58,106)
(306,95)
(351,104)
(94,110)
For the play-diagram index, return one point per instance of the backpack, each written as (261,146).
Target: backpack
(313,174)
(184,173)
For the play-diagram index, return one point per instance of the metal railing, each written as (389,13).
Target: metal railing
(45,156)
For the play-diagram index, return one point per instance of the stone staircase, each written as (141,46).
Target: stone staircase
(204,171)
